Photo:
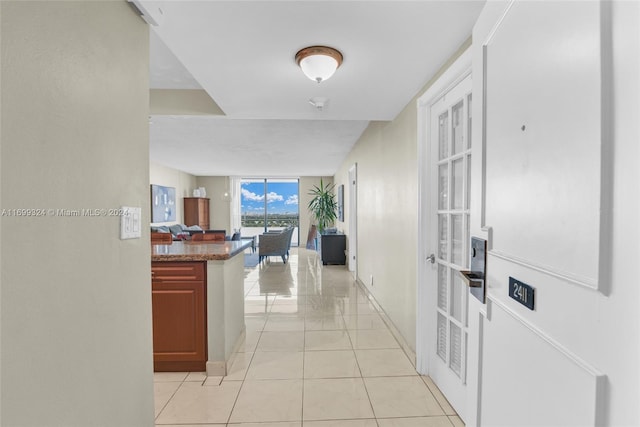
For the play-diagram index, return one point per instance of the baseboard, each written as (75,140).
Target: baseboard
(220,368)
(216,368)
(411,354)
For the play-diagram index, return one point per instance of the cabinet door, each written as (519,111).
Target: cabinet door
(333,247)
(203,213)
(179,325)
(196,211)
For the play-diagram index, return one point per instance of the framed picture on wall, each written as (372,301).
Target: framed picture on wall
(341,203)
(163,203)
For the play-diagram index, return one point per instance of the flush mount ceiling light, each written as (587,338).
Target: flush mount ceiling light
(318,62)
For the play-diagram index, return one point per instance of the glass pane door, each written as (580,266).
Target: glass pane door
(269,204)
(453,178)
(252,207)
(282,206)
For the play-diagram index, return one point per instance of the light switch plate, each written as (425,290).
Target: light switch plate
(130,223)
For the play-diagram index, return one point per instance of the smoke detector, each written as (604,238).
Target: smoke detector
(319,102)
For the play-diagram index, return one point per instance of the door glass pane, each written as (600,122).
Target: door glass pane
(252,207)
(443,135)
(443,186)
(457,289)
(442,287)
(455,350)
(443,234)
(457,131)
(282,206)
(469,121)
(467,201)
(267,204)
(466,238)
(456,239)
(442,337)
(465,309)
(458,178)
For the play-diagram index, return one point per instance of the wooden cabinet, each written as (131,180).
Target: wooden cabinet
(196,212)
(332,249)
(179,298)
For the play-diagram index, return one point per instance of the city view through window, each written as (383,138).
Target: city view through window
(269,204)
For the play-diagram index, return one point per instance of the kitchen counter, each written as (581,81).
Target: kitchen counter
(223,292)
(198,251)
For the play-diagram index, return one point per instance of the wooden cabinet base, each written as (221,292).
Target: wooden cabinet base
(179,316)
(198,366)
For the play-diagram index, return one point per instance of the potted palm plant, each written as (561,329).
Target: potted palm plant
(323,205)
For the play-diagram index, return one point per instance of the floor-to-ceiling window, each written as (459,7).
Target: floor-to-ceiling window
(269,204)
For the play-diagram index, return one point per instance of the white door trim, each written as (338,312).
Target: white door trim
(352,262)
(460,69)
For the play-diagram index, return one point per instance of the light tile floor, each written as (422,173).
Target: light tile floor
(316,354)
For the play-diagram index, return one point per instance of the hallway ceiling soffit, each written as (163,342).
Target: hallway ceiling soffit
(242,54)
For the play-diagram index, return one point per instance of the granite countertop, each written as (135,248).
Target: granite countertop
(198,251)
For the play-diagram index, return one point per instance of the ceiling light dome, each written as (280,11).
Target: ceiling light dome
(318,62)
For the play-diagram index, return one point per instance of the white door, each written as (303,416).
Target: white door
(449,163)
(543,195)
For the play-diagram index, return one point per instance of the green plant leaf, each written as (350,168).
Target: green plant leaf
(323,205)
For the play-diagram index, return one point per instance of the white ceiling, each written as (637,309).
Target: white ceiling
(242,54)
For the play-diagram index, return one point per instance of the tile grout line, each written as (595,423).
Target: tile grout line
(304,355)
(391,328)
(174,393)
(371,300)
(434,396)
(360,369)
(168,400)
(306,316)
(244,377)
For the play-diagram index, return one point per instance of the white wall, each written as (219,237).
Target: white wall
(1,222)
(306,184)
(183,102)
(219,206)
(387,199)
(183,182)
(617,334)
(76,301)
(573,359)
(387,204)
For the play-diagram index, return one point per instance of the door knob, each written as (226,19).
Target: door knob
(431,258)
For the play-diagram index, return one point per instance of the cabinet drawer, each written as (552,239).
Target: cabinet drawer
(178,271)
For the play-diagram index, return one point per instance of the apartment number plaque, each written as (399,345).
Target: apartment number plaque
(522,293)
